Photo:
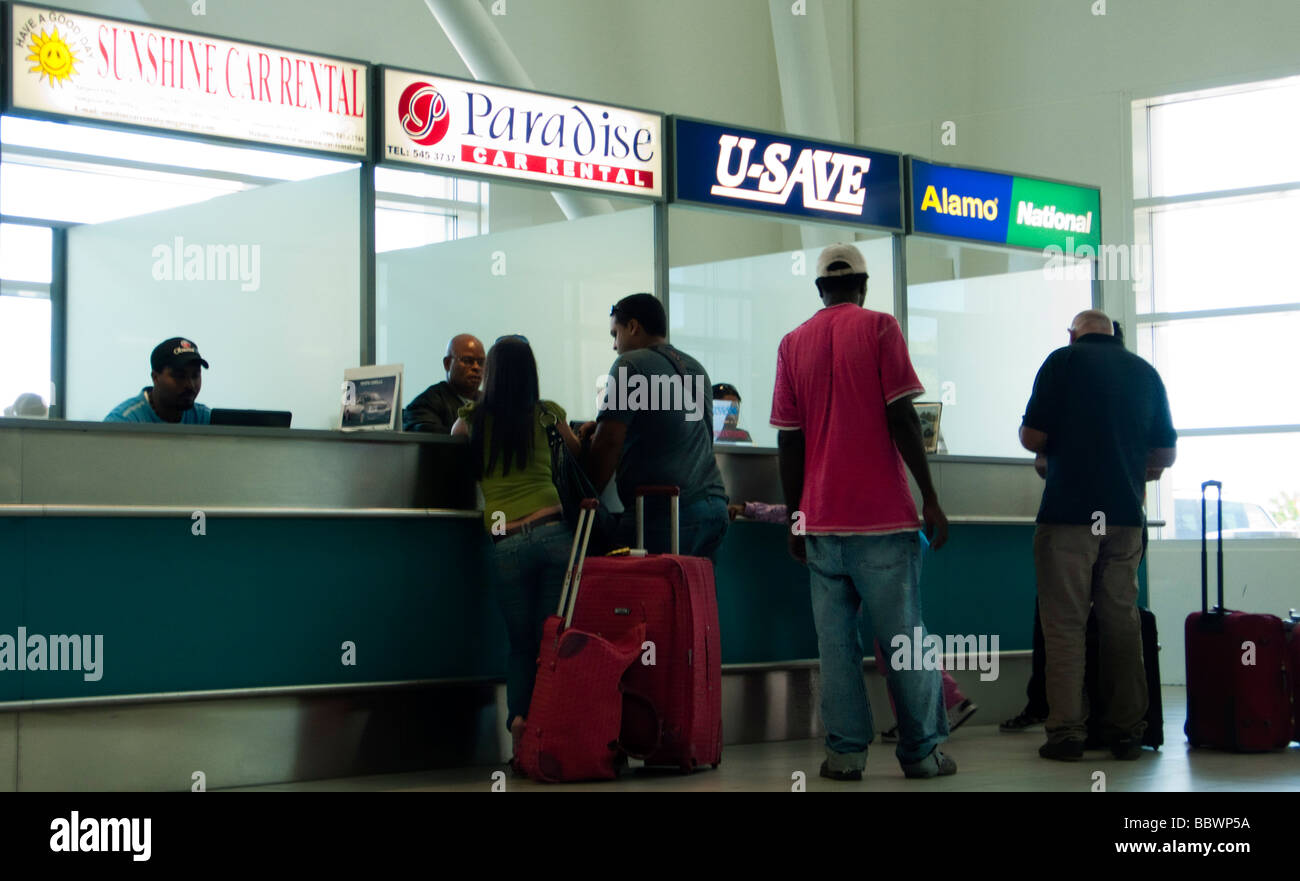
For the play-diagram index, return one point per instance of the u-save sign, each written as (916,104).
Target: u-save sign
(967,203)
(73,65)
(464,126)
(741,168)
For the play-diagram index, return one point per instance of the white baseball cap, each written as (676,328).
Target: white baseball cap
(841,253)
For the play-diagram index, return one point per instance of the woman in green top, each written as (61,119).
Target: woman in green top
(510,457)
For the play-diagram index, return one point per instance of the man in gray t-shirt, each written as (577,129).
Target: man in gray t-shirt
(655,428)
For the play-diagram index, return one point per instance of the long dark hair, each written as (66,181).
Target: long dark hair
(510,397)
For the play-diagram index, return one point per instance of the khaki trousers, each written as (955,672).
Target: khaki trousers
(1077,570)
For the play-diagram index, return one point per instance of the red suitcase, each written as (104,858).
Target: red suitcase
(675,599)
(576,711)
(1231,704)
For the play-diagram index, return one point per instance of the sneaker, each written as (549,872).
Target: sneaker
(854,774)
(890,736)
(936,764)
(1062,750)
(958,715)
(1022,722)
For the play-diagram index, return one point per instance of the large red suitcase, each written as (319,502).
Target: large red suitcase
(674,598)
(572,732)
(1232,704)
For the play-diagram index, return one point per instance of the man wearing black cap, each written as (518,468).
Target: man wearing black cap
(177,378)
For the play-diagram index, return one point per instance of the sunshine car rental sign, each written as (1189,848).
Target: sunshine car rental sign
(66,64)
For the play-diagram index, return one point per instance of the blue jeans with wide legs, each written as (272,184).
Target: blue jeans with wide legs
(529,574)
(865,585)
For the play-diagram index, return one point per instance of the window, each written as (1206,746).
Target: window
(25,273)
(1217,188)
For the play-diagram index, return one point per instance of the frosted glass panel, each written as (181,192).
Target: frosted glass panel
(553,283)
(265,282)
(977,344)
(24,349)
(732,314)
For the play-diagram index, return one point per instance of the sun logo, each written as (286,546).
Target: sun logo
(53,57)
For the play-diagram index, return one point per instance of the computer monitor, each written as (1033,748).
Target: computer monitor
(260,418)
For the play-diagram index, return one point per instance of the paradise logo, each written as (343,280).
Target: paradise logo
(54,58)
(423,113)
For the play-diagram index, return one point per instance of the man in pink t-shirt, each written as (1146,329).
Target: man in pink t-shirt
(843,402)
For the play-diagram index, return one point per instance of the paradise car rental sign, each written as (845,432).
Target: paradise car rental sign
(74,65)
(463,126)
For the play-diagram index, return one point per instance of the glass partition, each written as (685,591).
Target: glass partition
(534,273)
(252,254)
(25,275)
(980,322)
(738,284)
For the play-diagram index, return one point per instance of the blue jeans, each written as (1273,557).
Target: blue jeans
(529,574)
(701,527)
(864,585)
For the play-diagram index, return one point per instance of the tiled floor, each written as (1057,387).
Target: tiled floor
(987,760)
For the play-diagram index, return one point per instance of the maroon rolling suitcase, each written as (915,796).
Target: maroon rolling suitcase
(576,710)
(1232,704)
(674,598)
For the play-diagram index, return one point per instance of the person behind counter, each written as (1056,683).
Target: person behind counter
(511,458)
(654,436)
(434,410)
(726,394)
(28,405)
(177,379)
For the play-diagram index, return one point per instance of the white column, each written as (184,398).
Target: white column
(488,57)
(803,67)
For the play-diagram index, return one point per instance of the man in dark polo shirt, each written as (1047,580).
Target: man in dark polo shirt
(1100,415)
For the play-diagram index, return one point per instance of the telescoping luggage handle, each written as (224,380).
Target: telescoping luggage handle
(674,494)
(578,553)
(1205,565)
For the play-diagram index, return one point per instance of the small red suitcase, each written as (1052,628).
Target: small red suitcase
(1232,704)
(576,711)
(674,598)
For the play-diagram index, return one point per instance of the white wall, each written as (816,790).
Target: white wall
(1259,576)
(281,346)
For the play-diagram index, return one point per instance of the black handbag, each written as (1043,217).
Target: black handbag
(573,485)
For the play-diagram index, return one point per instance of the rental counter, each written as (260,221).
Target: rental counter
(222,558)
(287,605)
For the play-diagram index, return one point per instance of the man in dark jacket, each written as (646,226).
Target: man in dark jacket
(435,409)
